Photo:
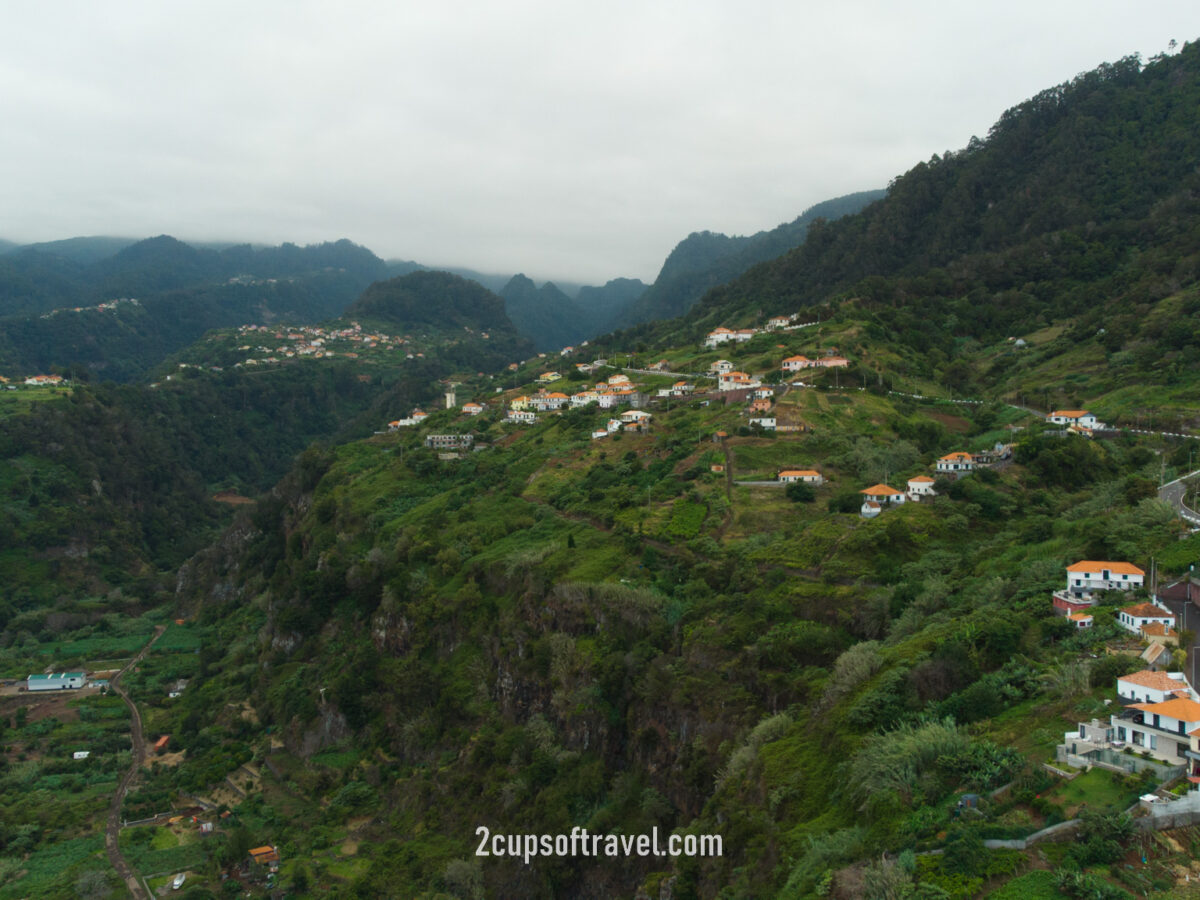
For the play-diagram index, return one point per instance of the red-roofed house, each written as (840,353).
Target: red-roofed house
(883,495)
(808,476)
(1078,417)
(1088,576)
(1135,618)
(921,486)
(1148,686)
(1162,729)
(956,462)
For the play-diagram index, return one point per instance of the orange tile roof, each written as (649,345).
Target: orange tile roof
(1091,565)
(1070,413)
(1178,708)
(922,479)
(957,455)
(880,489)
(799,472)
(1078,617)
(1157,629)
(1147,611)
(1158,681)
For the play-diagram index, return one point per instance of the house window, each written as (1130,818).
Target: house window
(1120,732)
(1154,742)
(1139,738)
(1181,728)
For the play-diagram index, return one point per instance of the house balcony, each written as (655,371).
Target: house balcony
(1138,718)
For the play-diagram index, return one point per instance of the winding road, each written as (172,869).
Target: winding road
(112,831)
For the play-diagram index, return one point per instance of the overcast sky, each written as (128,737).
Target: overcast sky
(563,139)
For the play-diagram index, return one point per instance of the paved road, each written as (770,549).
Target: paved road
(1174,492)
(112,831)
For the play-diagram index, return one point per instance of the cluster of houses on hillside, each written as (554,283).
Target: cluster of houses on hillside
(106,306)
(1159,713)
(312,341)
(719,336)
(43,380)
(879,497)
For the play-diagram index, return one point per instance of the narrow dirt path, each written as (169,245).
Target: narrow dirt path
(112,831)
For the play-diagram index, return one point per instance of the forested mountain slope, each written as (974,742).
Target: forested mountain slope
(182,291)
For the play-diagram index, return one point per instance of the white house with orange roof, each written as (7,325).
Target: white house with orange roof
(807,476)
(719,336)
(744,334)
(1088,576)
(635,415)
(550,402)
(721,366)
(956,462)
(1080,418)
(583,398)
(732,381)
(521,416)
(883,495)
(920,486)
(870,509)
(1148,686)
(1136,618)
(778,321)
(796,363)
(1165,730)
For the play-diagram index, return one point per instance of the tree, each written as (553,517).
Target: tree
(799,492)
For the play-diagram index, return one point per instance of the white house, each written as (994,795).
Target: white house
(732,381)
(808,476)
(796,363)
(921,486)
(555,400)
(1088,576)
(583,398)
(743,334)
(883,495)
(956,462)
(1147,686)
(1162,729)
(778,321)
(635,415)
(870,509)
(766,423)
(1133,618)
(721,366)
(472,409)
(719,336)
(1080,418)
(1081,620)
(522,416)
(764,393)
(56,681)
